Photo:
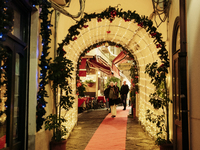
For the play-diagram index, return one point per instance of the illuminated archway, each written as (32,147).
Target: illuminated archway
(124,29)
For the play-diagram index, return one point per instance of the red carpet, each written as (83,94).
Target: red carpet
(111,134)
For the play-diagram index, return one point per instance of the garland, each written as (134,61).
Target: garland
(98,44)
(44,65)
(6,16)
(134,79)
(110,14)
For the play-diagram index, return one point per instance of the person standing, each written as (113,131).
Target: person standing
(117,102)
(123,92)
(112,95)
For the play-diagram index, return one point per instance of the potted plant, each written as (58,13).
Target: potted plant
(90,83)
(81,88)
(160,100)
(60,73)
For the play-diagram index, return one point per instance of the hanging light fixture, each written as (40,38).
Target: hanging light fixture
(61,4)
(161,9)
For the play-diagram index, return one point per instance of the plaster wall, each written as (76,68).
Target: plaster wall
(193,35)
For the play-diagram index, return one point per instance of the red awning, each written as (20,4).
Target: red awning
(100,66)
(82,69)
(83,63)
(120,58)
(116,71)
(102,61)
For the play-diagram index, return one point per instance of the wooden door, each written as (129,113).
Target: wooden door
(177,103)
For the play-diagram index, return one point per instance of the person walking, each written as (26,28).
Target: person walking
(117,102)
(112,93)
(123,92)
(106,94)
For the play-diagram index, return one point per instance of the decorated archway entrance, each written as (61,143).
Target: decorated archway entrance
(127,30)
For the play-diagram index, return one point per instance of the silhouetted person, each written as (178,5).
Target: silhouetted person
(124,91)
(106,94)
(112,93)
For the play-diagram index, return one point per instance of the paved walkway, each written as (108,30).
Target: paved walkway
(136,138)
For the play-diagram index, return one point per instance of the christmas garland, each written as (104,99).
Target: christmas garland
(6,17)
(44,64)
(134,79)
(98,44)
(110,14)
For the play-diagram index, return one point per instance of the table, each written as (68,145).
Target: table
(101,98)
(82,102)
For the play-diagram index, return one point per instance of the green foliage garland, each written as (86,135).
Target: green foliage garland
(98,44)
(134,78)
(134,83)
(6,22)
(45,33)
(110,13)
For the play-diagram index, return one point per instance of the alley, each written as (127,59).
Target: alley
(89,122)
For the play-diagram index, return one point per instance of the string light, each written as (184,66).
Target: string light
(142,54)
(1,35)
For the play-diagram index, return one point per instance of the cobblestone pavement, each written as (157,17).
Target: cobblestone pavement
(89,122)
(137,139)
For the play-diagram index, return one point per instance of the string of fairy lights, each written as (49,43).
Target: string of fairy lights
(94,40)
(6,23)
(144,104)
(44,61)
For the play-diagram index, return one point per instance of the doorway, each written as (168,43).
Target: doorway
(177,118)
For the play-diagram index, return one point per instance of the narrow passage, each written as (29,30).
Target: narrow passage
(96,130)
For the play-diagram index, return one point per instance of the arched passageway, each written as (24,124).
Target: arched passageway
(131,34)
